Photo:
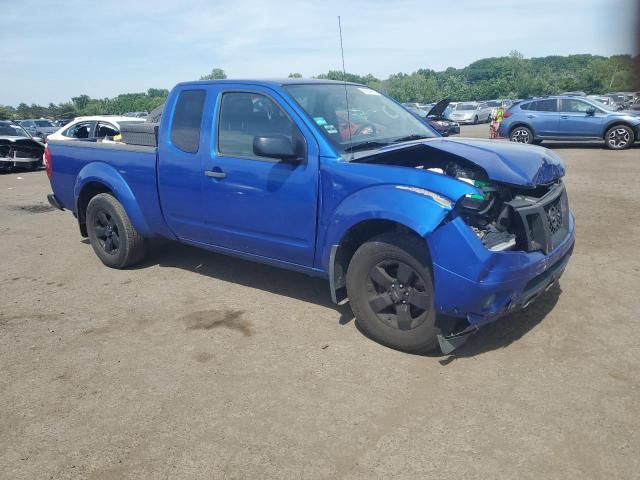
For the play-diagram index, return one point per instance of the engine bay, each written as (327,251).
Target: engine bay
(503,217)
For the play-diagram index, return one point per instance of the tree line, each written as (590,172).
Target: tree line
(512,76)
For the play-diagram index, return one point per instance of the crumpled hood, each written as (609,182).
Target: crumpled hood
(506,162)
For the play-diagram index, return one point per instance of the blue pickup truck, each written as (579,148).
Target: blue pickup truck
(427,238)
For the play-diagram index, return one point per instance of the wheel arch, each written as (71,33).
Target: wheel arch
(96,178)
(616,123)
(353,238)
(520,124)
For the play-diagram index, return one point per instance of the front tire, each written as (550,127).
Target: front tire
(521,135)
(390,290)
(475,120)
(619,137)
(114,239)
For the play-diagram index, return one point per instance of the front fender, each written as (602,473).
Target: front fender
(415,208)
(105,174)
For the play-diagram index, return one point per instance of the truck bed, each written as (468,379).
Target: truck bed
(74,163)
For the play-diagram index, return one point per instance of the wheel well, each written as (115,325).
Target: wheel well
(89,191)
(513,127)
(351,241)
(616,124)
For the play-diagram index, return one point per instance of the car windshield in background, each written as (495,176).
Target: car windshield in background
(43,123)
(466,106)
(373,119)
(494,104)
(9,130)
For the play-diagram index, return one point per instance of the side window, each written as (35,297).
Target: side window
(106,130)
(571,105)
(527,106)
(79,130)
(244,116)
(187,118)
(550,105)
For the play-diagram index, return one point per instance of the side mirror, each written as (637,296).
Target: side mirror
(275,146)
(591,112)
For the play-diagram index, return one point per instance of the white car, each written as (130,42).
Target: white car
(471,112)
(92,127)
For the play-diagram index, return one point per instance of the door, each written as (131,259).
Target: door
(181,149)
(251,203)
(543,117)
(580,119)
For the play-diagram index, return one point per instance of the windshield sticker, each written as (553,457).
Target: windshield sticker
(320,121)
(368,91)
(330,128)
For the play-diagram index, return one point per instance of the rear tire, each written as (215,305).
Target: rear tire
(521,135)
(390,290)
(114,239)
(619,137)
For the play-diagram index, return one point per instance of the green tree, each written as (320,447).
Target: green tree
(295,75)
(216,74)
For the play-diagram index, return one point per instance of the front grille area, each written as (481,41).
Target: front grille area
(544,222)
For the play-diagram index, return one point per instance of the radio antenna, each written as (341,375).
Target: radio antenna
(344,79)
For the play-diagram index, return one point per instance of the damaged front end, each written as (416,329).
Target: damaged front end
(20,154)
(505,242)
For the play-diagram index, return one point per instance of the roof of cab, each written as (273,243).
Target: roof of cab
(272,82)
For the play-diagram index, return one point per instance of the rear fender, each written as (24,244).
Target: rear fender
(108,176)
(417,209)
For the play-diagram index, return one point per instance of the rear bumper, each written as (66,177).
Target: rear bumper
(480,285)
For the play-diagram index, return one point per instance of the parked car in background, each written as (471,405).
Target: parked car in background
(435,116)
(570,118)
(40,127)
(406,226)
(573,94)
(92,127)
(471,112)
(621,100)
(18,149)
(438,119)
(136,114)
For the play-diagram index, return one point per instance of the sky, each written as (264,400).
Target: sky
(53,50)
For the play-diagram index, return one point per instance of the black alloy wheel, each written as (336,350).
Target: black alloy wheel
(107,232)
(397,294)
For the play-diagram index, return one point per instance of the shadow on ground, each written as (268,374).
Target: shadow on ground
(499,334)
(508,329)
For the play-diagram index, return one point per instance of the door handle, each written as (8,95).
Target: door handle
(531,116)
(215,174)
(564,117)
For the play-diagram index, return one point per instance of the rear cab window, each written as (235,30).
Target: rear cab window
(187,120)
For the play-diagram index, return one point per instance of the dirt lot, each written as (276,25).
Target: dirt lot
(196,365)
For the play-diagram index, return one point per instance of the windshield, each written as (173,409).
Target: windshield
(494,103)
(373,119)
(43,123)
(13,130)
(466,106)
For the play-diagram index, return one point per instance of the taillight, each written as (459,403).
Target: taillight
(47,161)
(506,114)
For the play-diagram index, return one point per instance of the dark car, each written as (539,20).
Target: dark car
(18,150)
(436,117)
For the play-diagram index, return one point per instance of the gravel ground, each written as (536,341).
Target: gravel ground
(195,365)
